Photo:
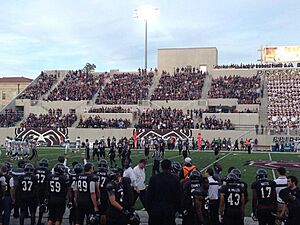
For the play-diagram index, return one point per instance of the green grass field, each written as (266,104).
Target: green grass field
(201,159)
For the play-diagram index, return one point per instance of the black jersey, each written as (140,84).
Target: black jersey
(58,187)
(191,189)
(117,190)
(42,175)
(266,193)
(85,185)
(102,175)
(233,199)
(27,186)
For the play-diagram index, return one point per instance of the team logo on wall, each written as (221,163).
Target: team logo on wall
(274,164)
(43,136)
(164,134)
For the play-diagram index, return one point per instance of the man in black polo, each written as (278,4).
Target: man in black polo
(163,196)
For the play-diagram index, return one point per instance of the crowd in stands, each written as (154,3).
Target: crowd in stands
(165,118)
(183,85)
(98,122)
(255,66)
(76,86)
(116,109)
(41,87)
(126,88)
(54,119)
(246,89)
(284,98)
(9,118)
(212,123)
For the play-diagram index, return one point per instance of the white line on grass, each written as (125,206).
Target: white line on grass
(274,177)
(216,161)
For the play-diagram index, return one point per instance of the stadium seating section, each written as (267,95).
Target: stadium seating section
(245,89)
(284,98)
(54,119)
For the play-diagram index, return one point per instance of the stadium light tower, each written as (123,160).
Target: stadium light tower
(146,13)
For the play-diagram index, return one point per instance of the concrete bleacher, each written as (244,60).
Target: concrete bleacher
(243,122)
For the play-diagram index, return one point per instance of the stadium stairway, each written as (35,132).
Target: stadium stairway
(206,86)
(61,77)
(92,103)
(263,110)
(154,85)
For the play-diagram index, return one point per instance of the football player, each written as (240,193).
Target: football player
(232,201)
(192,200)
(85,193)
(103,178)
(264,198)
(58,187)
(42,174)
(117,214)
(28,197)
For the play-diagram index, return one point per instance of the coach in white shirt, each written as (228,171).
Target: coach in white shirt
(281,183)
(128,172)
(140,190)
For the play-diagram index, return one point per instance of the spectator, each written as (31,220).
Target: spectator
(40,87)
(165,118)
(212,123)
(116,109)
(184,85)
(245,89)
(122,91)
(76,86)
(10,118)
(54,119)
(98,122)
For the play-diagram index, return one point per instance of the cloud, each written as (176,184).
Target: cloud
(36,35)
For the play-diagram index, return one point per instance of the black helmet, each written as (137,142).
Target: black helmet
(21,164)
(44,163)
(232,177)
(134,219)
(29,168)
(8,165)
(195,175)
(103,164)
(59,169)
(115,172)
(176,166)
(78,168)
(237,172)
(261,174)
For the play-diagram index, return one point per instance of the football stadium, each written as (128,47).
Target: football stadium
(184,140)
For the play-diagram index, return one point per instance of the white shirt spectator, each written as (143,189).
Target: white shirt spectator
(130,174)
(281,183)
(140,177)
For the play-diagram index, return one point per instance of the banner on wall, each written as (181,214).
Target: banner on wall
(43,136)
(164,133)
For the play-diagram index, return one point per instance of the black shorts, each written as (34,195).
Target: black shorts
(41,194)
(1,209)
(28,203)
(233,221)
(84,208)
(56,210)
(146,152)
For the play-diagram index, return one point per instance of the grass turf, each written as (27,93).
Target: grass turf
(199,158)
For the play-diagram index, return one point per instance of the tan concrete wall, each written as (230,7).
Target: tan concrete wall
(236,118)
(171,58)
(11,90)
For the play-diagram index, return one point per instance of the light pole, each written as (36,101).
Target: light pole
(146,13)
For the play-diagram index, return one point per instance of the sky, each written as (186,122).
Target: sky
(40,35)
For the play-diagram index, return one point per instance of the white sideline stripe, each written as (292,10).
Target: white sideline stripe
(216,161)
(274,177)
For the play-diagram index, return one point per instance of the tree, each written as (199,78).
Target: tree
(89,68)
